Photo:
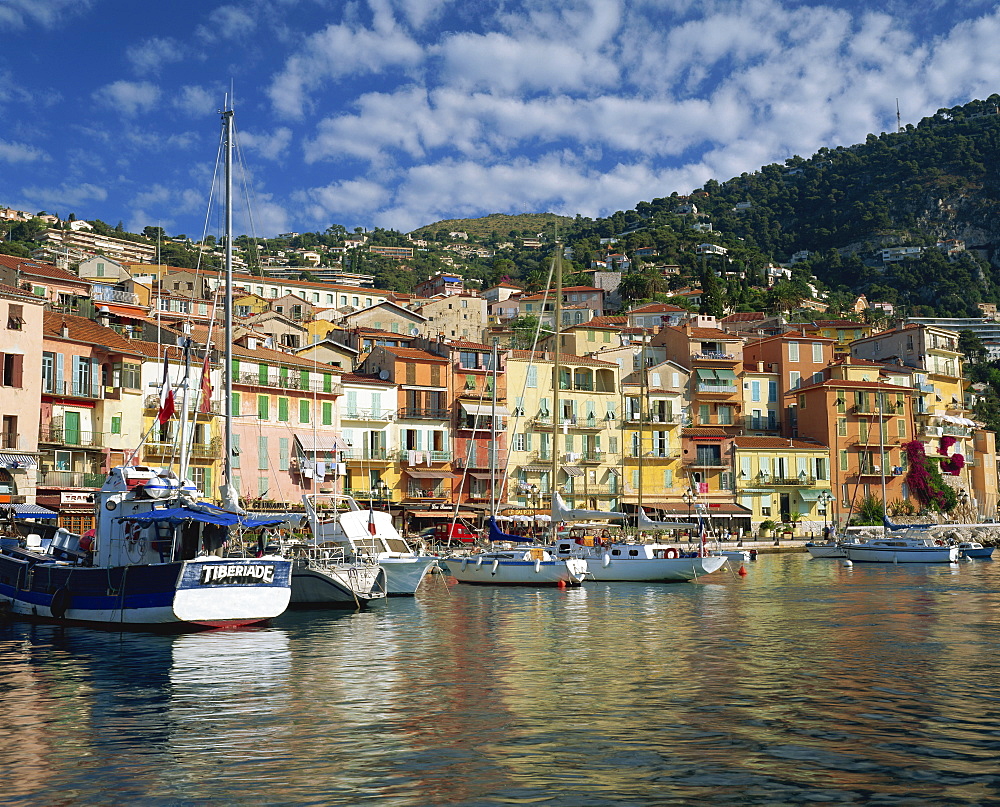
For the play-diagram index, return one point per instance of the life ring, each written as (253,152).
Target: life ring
(939,542)
(60,603)
(671,553)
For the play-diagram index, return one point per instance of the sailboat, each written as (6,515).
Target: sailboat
(157,556)
(529,566)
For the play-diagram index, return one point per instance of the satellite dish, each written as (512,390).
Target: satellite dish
(414,331)
(384,375)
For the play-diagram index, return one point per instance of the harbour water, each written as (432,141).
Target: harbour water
(804,682)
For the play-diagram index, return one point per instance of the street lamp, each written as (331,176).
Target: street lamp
(381,490)
(688,497)
(824,499)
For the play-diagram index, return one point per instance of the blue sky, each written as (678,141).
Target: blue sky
(399,113)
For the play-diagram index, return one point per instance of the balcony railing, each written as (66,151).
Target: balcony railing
(60,435)
(9,440)
(424,414)
(70,479)
(361,493)
(210,450)
(481,460)
(712,356)
(369,414)
(214,406)
(366,454)
(291,383)
(709,462)
(633,419)
(99,295)
(72,389)
(761,424)
(723,389)
(403,455)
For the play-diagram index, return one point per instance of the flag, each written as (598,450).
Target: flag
(206,387)
(371,519)
(166,394)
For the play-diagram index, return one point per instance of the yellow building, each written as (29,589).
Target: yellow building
(653,412)
(778,478)
(586,444)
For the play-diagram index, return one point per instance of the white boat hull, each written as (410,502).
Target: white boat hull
(903,554)
(329,584)
(504,572)
(403,575)
(826,550)
(652,570)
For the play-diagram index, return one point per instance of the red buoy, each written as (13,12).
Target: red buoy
(561,584)
(742,572)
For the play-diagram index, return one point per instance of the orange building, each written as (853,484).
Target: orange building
(847,415)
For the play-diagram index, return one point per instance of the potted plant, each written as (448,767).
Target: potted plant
(767,528)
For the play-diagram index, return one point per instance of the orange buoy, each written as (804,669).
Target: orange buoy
(561,584)
(742,572)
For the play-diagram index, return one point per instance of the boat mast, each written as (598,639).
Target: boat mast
(230,496)
(556,373)
(494,459)
(643,395)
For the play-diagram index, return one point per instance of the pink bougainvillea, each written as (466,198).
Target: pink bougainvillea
(946,442)
(953,465)
(918,478)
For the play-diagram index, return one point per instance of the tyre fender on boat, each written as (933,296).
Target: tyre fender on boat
(538,566)
(465,562)
(479,561)
(606,560)
(496,565)
(670,553)
(60,603)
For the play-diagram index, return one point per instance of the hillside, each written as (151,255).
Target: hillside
(499,225)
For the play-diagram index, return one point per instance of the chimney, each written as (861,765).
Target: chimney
(103,317)
(64,330)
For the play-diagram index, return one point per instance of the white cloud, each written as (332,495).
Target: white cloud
(198,100)
(17,14)
(269,145)
(68,195)
(150,55)
(339,51)
(20,153)
(128,97)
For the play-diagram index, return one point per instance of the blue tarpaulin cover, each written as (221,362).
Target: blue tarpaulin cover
(207,513)
(496,534)
(32,511)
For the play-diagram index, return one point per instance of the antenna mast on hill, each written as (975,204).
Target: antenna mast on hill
(899,121)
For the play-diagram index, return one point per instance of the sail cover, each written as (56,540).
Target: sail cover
(562,512)
(646,523)
(496,534)
(208,514)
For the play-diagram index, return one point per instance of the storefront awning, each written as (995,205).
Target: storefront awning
(813,494)
(572,470)
(536,469)
(32,511)
(17,462)
(414,474)
(484,410)
(476,475)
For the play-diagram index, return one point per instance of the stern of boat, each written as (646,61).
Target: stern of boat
(229,592)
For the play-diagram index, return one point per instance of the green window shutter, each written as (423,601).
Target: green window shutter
(116,424)
(303,379)
(283,409)
(283,452)
(235,369)
(635,478)
(283,376)
(327,413)
(263,407)
(303,411)
(843,460)
(208,483)
(235,460)
(262,453)
(327,382)
(235,406)
(262,373)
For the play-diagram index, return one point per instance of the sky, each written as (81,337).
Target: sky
(400,113)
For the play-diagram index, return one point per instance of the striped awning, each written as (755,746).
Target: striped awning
(17,462)
(572,470)
(32,511)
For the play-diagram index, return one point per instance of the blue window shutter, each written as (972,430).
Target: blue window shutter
(60,371)
(95,378)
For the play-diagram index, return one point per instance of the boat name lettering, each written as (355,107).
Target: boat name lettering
(237,573)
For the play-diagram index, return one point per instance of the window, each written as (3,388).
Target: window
(10,370)
(842,427)
(283,453)
(283,409)
(116,424)
(303,411)
(263,407)
(755,391)
(235,459)
(843,460)
(15,317)
(794,379)
(793,351)
(48,372)
(532,376)
(262,453)
(817,352)
(327,413)
(235,405)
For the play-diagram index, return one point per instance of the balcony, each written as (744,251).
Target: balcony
(61,436)
(424,414)
(714,356)
(594,457)
(718,389)
(201,451)
(214,406)
(480,460)
(70,479)
(403,455)
(655,455)
(289,383)
(923,387)
(99,295)
(787,481)
(71,389)
(366,495)
(761,424)
(708,462)
(366,455)
(633,420)
(381,415)
(9,440)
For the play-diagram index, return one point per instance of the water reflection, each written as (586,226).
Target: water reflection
(805,681)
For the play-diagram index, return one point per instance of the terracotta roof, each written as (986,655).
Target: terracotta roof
(745,316)
(82,329)
(838,323)
(469,345)
(704,431)
(706,333)
(566,358)
(41,269)
(777,442)
(412,353)
(357,378)
(654,308)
